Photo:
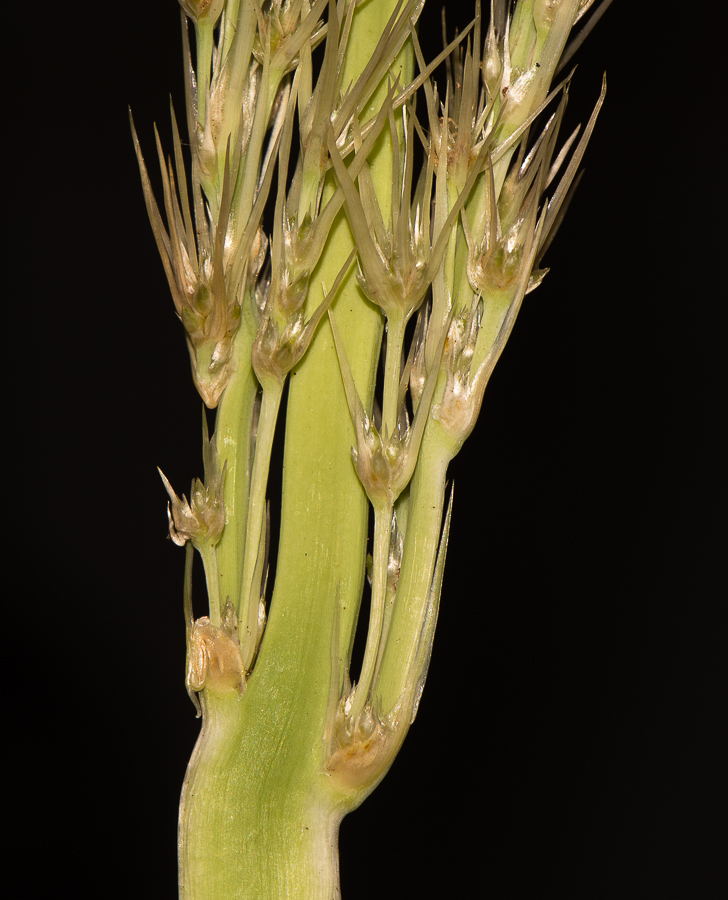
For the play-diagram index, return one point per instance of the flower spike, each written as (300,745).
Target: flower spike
(200,519)
(385,462)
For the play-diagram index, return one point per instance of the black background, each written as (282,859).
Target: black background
(567,742)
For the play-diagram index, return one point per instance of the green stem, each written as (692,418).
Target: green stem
(233,424)
(424,524)
(249,594)
(380,558)
(209,561)
(392,367)
(245,829)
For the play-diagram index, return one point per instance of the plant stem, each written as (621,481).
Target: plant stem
(392,367)
(209,561)
(250,593)
(233,425)
(380,557)
(424,522)
(247,830)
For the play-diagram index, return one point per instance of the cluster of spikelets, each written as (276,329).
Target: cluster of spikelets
(457,244)
(240,118)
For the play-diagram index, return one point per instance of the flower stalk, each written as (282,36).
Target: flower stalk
(292,737)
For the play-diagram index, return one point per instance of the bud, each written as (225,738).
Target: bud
(275,352)
(383,462)
(379,460)
(210,323)
(533,47)
(202,518)
(459,408)
(476,339)
(203,12)
(282,29)
(284,334)
(497,269)
(396,266)
(213,656)
(362,749)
